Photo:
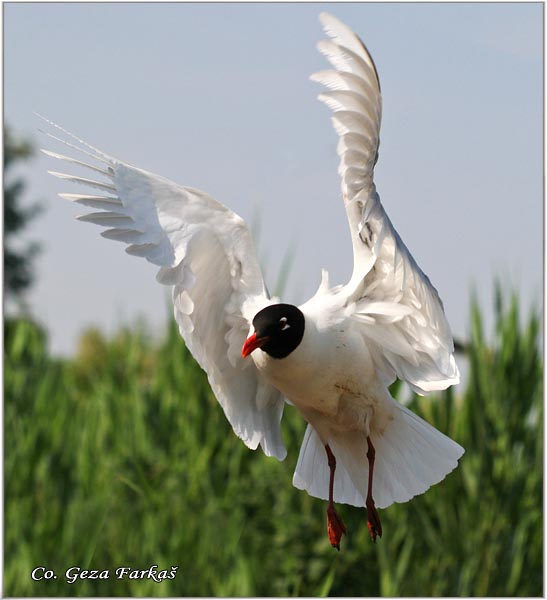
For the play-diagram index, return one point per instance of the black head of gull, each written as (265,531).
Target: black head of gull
(278,329)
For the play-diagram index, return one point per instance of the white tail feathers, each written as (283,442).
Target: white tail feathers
(411,456)
(312,471)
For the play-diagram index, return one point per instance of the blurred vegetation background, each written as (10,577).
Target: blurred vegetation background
(18,257)
(121,456)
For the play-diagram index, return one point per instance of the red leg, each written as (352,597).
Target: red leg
(335,525)
(374,525)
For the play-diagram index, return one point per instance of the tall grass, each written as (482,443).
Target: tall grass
(122,457)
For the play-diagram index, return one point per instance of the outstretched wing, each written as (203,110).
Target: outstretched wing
(205,251)
(399,310)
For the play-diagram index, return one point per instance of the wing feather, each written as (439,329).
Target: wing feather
(205,251)
(99,202)
(412,341)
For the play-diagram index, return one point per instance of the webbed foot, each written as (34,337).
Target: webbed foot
(335,527)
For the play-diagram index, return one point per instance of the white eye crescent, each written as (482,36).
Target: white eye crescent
(283,323)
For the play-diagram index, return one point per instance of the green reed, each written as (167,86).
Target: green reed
(121,456)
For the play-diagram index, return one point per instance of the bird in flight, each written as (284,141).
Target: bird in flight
(334,356)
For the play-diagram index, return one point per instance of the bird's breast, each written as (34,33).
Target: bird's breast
(330,373)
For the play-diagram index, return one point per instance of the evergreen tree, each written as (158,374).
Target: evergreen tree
(18,258)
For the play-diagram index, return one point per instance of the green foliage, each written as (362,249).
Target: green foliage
(479,533)
(18,271)
(122,457)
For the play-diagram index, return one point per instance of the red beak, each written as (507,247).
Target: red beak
(252,343)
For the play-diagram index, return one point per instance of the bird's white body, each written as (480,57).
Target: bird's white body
(333,381)
(330,376)
(387,322)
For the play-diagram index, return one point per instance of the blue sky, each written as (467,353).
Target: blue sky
(217,96)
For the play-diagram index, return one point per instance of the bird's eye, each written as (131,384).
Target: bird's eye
(283,323)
